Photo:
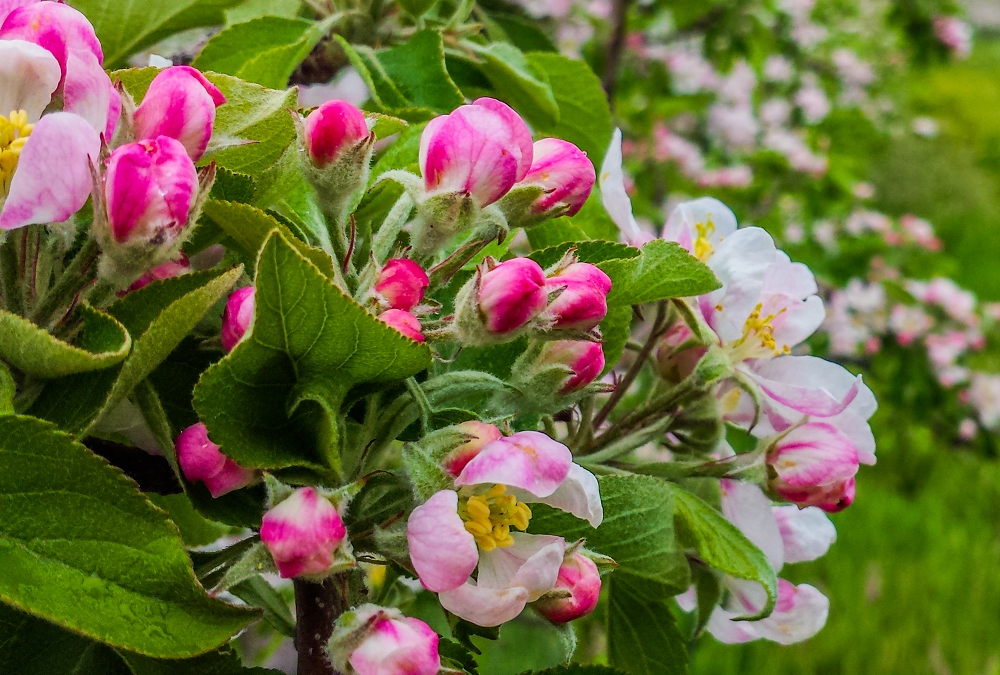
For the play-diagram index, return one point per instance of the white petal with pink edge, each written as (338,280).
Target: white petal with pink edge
(528,460)
(807,534)
(801,612)
(443,553)
(579,494)
(749,509)
(532,563)
(485,606)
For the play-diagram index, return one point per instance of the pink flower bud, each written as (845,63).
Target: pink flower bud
(675,365)
(404,322)
(201,460)
(237,317)
(481,435)
(180,103)
(402,283)
(332,128)
(564,172)
(167,270)
(582,304)
(397,646)
(578,575)
(149,188)
(585,359)
(302,533)
(480,149)
(815,466)
(512,294)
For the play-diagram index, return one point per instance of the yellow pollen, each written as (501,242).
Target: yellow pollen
(703,248)
(14,132)
(761,328)
(489,517)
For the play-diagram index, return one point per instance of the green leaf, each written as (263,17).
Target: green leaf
(523,33)
(576,669)
(418,71)
(384,126)
(522,84)
(125,27)
(554,232)
(195,529)
(81,547)
(310,342)
(8,390)
(593,252)
(721,545)
(616,329)
(459,655)
(638,529)
(643,638)
(251,9)
(223,662)
(402,154)
(384,496)
(265,50)
(584,116)
(250,227)
(384,93)
(665,270)
(33,350)
(158,317)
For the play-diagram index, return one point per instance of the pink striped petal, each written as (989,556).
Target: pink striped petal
(529,460)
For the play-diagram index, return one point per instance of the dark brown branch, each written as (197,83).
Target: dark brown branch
(619,22)
(317,607)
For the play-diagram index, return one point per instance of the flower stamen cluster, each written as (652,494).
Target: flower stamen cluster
(14,132)
(488,517)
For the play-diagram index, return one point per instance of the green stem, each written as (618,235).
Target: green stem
(10,274)
(421,398)
(81,271)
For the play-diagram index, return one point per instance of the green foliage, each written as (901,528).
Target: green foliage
(417,69)
(643,638)
(102,343)
(519,82)
(128,562)
(264,50)
(665,270)
(310,343)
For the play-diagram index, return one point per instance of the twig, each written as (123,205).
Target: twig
(317,607)
(619,20)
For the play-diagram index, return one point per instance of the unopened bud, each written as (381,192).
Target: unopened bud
(404,322)
(332,130)
(237,317)
(584,359)
(402,283)
(496,304)
(480,434)
(168,270)
(582,302)
(372,640)
(814,465)
(580,576)
(180,103)
(302,533)
(202,461)
(563,175)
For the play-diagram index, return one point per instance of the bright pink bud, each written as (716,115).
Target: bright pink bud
(201,460)
(302,533)
(404,322)
(585,359)
(582,304)
(180,103)
(403,646)
(332,128)
(481,434)
(512,294)
(815,466)
(402,283)
(149,187)
(480,149)
(564,172)
(167,270)
(579,576)
(237,317)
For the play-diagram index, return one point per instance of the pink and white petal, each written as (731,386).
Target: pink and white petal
(52,180)
(485,606)
(801,612)
(614,196)
(443,553)
(856,428)
(532,563)
(740,263)
(791,381)
(799,320)
(680,226)
(579,495)
(722,627)
(88,90)
(529,460)
(814,454)
(807,534)
(114,112)
(785,277)
(8,6)
(29,74)
(688,600)
(748,508)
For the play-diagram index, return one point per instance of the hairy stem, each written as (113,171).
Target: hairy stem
(10,274)
(80,272)
(317,606)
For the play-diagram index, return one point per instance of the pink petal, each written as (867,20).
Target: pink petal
(443,553)
(529,460)
(814,454)
(579,495)
(180,103)
(532,563)
(485,606)
(746,507)
(518,131)
(807,534)
(88,91)
(800,614)
(52,180)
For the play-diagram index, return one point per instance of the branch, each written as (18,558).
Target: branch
(317,607)
(619,20)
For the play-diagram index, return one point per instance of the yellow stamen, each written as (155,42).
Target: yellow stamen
(489,517)
(14,132)
(762,330)
(703,248)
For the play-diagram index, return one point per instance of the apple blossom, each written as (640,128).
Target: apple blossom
(180,103)
(581,303)
(479,435)
(475,526)
(168,270)
(402,283)
(388,644)
(237,317)
(500,300)
(332,129)
(806,534)
(302,532)
(579,576)
(811,462)
(404,322)
(584,359)
(201,461)
(563,173)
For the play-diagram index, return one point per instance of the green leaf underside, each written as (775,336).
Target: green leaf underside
(638,529)
(721,545)
(664,270)
(158,317)
(643,638)
(124,579)
(310,342)
(103,343)
(265,50)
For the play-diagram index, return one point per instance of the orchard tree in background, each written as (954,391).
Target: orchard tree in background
(375,378)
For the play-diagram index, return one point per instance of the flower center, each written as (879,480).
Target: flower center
(14,132)
(489,517)
(703,248)
(758,335)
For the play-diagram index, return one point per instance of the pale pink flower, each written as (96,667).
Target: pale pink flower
(404,322)
(733,125)
(909,322)
(806,534)
(954,34)
(302,532)
(778,69)
(480,435)
(812,101)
